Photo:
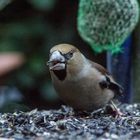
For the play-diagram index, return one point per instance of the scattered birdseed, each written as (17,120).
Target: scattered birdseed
(66,124)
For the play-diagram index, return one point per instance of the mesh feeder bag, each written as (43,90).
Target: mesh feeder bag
(105,24)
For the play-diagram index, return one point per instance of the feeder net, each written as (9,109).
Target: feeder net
(105,24)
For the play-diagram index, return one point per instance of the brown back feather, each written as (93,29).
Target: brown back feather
(100,68)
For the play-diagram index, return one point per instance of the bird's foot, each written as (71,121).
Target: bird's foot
(114,110)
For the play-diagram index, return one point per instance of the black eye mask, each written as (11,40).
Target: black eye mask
(68,55)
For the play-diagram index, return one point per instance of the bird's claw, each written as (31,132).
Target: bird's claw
(114,110)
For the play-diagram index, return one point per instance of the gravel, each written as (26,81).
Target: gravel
(66,124)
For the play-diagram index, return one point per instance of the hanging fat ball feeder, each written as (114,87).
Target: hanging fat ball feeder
(105,24)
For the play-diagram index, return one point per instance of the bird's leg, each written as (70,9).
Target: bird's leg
(115,111)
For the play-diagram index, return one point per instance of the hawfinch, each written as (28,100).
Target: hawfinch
(80,83)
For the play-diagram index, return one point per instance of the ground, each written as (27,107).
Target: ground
(66,124)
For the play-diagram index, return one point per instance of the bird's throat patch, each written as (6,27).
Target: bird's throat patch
(60,74)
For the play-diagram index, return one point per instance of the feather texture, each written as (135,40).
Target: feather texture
(83,84)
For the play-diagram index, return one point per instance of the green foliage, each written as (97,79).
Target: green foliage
(28,37)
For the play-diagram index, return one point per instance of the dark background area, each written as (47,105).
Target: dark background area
(30,28)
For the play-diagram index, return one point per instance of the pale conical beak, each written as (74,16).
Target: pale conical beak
(57,61)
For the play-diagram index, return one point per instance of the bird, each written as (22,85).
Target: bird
(80,82)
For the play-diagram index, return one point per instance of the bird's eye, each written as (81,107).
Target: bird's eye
(68,55)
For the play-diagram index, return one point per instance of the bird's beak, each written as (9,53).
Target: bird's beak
(57,61)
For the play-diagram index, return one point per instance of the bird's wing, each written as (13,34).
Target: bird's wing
(109,81)
(118,89)
(100,68)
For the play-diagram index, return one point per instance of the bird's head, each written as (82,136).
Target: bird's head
(64,57)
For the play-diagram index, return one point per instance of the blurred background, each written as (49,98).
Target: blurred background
(28,29)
